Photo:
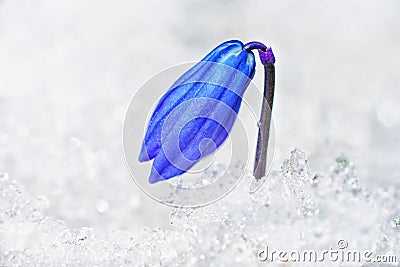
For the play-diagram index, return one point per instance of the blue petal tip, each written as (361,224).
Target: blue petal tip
(155,176)
(144,156)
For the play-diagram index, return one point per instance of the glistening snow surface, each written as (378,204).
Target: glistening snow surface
(295,209)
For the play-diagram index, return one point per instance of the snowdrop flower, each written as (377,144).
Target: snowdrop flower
(194,117)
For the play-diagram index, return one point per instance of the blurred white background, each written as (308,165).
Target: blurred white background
(68,70)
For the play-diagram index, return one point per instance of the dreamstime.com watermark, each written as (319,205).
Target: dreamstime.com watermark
(339,254)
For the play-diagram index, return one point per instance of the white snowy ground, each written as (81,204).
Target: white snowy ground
(69,68)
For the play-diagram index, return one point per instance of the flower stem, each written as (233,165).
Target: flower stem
(254,45)
(260,164)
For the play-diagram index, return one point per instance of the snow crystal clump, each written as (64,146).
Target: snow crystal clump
(295,209)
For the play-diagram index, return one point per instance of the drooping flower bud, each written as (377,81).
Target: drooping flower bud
(195,116)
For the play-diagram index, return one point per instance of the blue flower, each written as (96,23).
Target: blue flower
(195,116)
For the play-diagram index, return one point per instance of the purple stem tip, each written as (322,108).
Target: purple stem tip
(267,56)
